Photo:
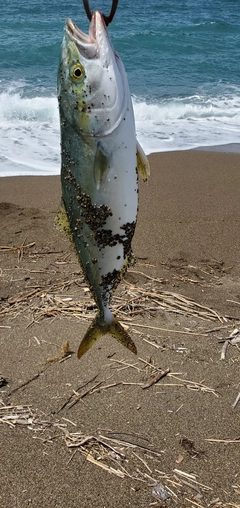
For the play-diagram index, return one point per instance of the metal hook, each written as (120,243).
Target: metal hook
(107,19)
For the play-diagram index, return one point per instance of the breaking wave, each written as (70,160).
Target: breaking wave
(30,133)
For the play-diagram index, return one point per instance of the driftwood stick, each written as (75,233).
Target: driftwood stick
(77,390)
(236,401)
(156,378)
(166,329)
(79,397)
(22,385)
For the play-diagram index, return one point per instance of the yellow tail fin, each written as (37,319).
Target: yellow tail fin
(98,328)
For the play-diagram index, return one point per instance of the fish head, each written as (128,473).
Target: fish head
(92,84)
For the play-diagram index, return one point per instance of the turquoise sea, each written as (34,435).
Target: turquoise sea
(182,58)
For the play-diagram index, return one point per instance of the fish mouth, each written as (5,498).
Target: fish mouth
(87,44)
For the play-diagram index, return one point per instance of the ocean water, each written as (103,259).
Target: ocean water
(182,58)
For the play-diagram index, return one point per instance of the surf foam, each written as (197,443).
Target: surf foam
(30,132)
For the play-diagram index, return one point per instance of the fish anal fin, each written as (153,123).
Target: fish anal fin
(142,163)
(98,328)
(62,221)
(101,165)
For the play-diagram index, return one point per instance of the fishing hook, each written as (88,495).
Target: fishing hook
(107,19)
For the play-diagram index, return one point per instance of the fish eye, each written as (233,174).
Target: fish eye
(77,72)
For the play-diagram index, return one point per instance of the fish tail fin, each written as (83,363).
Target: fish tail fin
(98,328)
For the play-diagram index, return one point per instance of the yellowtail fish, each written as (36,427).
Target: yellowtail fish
(99,175)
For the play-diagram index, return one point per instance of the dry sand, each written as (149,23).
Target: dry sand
(180,301)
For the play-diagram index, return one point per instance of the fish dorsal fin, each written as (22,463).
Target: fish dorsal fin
(142,163)
(101,165)
(62,220)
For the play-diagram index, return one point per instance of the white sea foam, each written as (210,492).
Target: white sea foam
(30,133)
(177,124)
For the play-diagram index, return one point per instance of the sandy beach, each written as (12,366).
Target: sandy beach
(160,429)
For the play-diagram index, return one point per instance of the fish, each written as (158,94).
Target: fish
(100,162)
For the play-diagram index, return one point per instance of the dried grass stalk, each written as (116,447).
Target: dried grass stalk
(46,301)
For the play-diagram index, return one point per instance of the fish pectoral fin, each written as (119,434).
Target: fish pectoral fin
(98,328)
(101,165)
(62,220)
(143,166)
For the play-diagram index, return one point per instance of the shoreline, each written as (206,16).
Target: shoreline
(226,148)
(229,148)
